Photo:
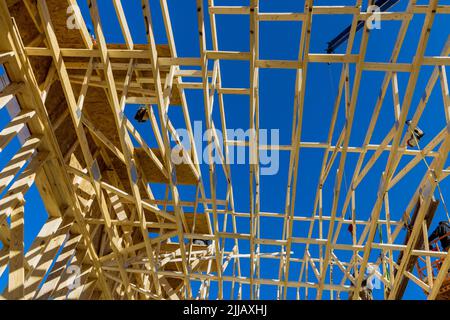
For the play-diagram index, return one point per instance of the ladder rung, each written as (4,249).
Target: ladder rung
(12,88)
(5,100)
(5,56)
(18,161)
(14,127)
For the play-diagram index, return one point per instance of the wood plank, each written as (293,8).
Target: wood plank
(16,281)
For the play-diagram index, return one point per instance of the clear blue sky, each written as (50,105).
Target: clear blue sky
(280,40)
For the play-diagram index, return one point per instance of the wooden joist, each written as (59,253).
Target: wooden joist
(14,127)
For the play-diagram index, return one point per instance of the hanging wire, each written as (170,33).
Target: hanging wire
(432,171)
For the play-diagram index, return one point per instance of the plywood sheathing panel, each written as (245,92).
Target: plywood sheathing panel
(96,106)
(201,221)
(25,24)
(167,248)
(67,38)
(184,174)
(65,134)
(121,170)
(40,66)
(444,292)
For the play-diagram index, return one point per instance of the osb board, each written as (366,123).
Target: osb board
(176,266)
(65,134)
(66,137)
(100,113)
(40,66)
(121,171)
(28,33)
(444,291)
(184,174)
(56,102)
(201,267)
(68,38)
(71,38)
(172,247)
(25,24)
(95,106)
(201,222)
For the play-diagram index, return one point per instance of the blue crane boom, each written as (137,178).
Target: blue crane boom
(344,35)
